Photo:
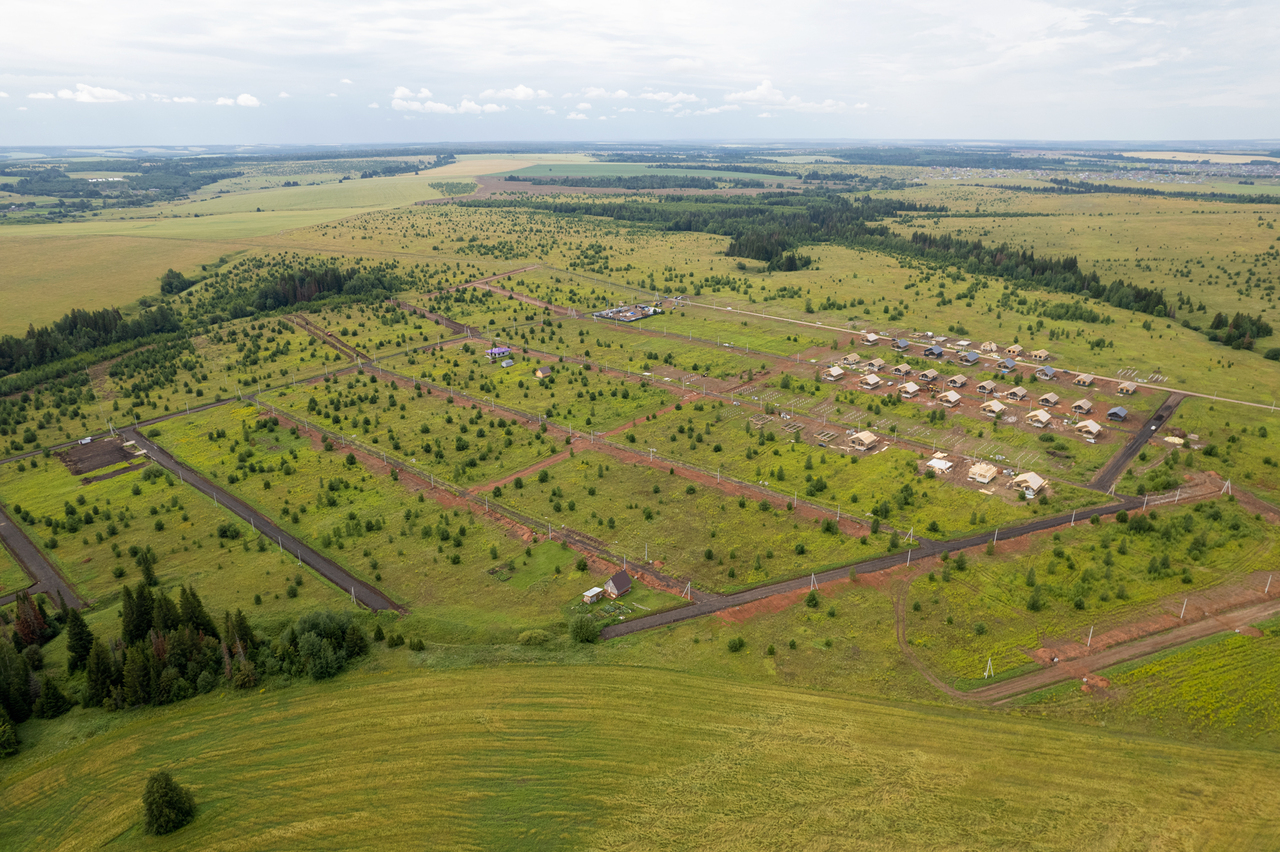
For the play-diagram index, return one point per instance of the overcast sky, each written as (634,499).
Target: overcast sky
(327,71)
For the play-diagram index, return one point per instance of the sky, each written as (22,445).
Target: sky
(135,72)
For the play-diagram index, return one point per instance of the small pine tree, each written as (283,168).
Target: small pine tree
(355,643)
(52,703)
(8,736)
(811,600)
(168,806)
(378,635)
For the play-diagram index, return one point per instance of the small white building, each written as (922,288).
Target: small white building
(909,390)
(874,364)
(1049,400)
(939,465)
(832,374)
(1127,388)
(871,338)
(993,408)
(1083,380)
(987,387)
(864,440)
(990,346)
(871,381)
(1089,429)
(901,371)
(1039,418)
(950,399)
(1082,406)
(957,382)
(1017,394)
(929,376)
(1030,483)
(592,594)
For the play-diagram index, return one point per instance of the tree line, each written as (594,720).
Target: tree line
(81,331)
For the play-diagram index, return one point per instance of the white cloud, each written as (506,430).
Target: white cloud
(248,100)
(717,110)
(576,116)
(283,95)
(863,105)
(184,100)
(765,115)
(518,93)
(22,109)
(225,102)
(583,106)
(374,105)
(93,95)
(627,109)
(4,94)
(41,95)
(408,94)
(333,94)
(475,108)
(420,106)
(345,80)
(593,92)
(766,95)
(669,98)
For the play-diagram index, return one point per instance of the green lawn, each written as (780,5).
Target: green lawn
(12,577)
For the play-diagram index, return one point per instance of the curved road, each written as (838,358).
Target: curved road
(45,577)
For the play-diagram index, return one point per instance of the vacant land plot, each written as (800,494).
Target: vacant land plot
(12,577)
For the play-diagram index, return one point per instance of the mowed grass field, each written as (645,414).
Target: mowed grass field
(12,578)
(598,757)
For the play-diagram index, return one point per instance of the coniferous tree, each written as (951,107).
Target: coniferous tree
(79,641)
(167,805)
(100,674)
(355,642)
(8,736)
(165,617)
(138,681)
(128,615)
(52,703)
(15,679)
(194,614)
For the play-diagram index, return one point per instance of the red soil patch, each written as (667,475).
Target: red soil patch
(776,603)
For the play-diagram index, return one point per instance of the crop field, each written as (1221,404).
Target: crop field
(697,533)
(436,557)
(1050,591)
(107,524)
(1217,690)
(499,758)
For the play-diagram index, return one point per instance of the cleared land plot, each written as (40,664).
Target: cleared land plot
(12,577)
(1105,577)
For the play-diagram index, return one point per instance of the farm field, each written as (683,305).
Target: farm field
(12,577)
(460,739)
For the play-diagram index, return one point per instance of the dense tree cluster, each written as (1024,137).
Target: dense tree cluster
(81,331)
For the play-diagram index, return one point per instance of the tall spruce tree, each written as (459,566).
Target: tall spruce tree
(194,614)
(100,675)
(8,735)
(52,703)
(79,641)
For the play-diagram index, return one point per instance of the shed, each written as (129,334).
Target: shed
(909,390)
(957,381)
(1046,373)
(618,585)
(1040,355)
(901,345)
(875,364)
(1117,414)
(542,373)
(1049,400)
(870,338)
(508,363)
(902,370)
(940,465)
(864,440)
(1082,406)
(969,358)
(1039,418)
(990,346)
(1088,428)
(871,381)
(993,408)
(934,352)
(1030,483)
(832,374)
(1127,388)
(592,594)
(987,387)
(929,376)
(1017,394)
(982,472)
(1083,380)
(1013,351)
(498,352)
(950,399)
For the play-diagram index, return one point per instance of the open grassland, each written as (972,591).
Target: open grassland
(693,532)
(1235,441)
(49,274)
(1220,689)
(12,577)
(517,758)
(1050,592)
(452,565)
(111,522)
(380,192)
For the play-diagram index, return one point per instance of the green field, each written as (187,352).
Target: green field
(12,577)
(517,757)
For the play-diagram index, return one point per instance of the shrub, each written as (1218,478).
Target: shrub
(533,637)
(583,628)
(980,628)
(167,805)
(1122,517)
(812,599)
(736,644)
(770,651)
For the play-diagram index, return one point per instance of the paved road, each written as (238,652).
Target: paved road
(881,563)
(1115,468)
(45,578)
(325,567)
